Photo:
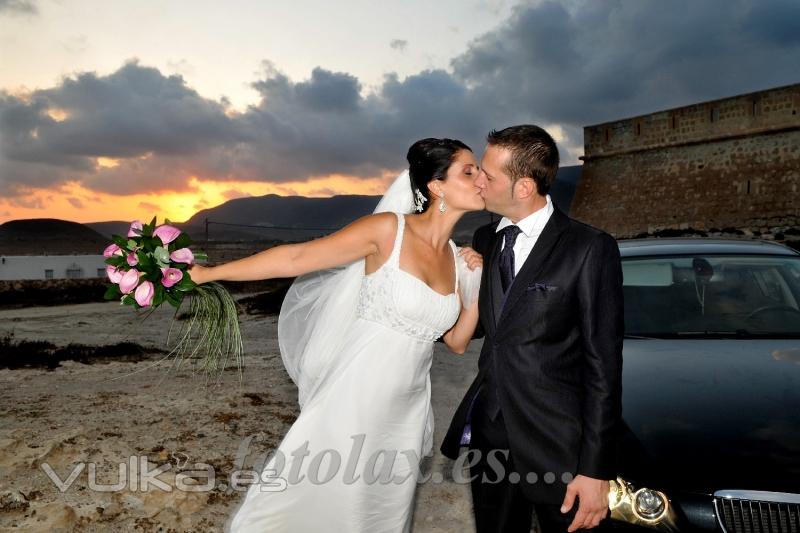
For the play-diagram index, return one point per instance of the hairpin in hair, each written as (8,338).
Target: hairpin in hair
(419,199)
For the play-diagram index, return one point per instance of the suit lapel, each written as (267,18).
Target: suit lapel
(484,242)
(534,262)
(495,286)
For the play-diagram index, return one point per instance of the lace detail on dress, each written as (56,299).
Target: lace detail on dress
(384,292)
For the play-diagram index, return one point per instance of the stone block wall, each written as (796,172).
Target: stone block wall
(726,164)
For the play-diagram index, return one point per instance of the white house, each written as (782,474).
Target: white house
(18,267)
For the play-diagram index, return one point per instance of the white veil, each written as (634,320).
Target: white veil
(320,306)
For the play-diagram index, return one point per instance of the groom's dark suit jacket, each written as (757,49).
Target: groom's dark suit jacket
(552,354)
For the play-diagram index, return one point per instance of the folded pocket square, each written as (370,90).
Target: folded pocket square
(466,436)
(541,287)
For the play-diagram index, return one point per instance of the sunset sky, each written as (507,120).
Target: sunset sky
(119,110)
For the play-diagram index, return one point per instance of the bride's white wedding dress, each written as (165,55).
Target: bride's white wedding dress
(382,398)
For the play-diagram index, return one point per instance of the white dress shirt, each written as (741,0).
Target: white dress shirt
(531,226)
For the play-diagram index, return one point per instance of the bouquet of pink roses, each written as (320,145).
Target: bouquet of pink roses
(149,267)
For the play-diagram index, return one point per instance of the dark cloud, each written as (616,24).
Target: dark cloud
(776,21)
(562,65)
(350,133)
(18,7)
(155,124)
(587,62)
(398,44)
(325,92)
(27,203)
(131,112)
(76,202)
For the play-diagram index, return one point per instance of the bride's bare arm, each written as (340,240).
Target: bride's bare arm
(457,338)
(356,240)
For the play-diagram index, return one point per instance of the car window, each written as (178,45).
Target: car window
(723,295)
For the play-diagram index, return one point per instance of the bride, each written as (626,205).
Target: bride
(356,333)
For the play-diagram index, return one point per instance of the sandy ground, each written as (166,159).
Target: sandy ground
(78,417)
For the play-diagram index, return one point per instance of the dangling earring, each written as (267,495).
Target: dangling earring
(442,207)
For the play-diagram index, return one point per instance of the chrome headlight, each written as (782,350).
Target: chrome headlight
(642,506)
(649,504)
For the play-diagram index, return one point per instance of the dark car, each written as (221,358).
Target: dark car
(711,387)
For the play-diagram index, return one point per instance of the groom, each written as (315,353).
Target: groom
(542,417)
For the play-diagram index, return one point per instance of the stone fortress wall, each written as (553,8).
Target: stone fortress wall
(724,166)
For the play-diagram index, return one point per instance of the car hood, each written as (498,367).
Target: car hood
(705,415)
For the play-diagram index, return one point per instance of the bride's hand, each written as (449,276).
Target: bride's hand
(199,274)
(473,258)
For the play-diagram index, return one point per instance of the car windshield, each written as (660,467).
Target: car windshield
(712,296)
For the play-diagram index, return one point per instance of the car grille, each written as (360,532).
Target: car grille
(753,516)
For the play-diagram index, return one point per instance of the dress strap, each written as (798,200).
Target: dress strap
(455,260)
(394,257)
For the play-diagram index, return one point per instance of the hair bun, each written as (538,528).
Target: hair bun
(429,159)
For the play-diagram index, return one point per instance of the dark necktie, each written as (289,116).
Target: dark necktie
(507,255)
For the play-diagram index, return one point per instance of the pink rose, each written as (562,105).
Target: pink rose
(144,293)
(182,255)
(112,249)
(135,225)
(166,233)
(171,276)
(132,260)
(114,274)
(129,281)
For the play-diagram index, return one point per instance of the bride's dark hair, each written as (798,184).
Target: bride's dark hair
(429,159)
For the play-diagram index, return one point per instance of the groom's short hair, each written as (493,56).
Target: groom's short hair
(533,154)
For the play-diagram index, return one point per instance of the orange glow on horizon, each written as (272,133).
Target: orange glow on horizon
(74,202)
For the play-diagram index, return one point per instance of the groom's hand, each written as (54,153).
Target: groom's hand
(592,497)
(473,258)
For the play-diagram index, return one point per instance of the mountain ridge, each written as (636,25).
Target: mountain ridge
(269,217)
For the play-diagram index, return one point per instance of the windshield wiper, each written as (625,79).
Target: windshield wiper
(740,334)
(732,334)
(737,333)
